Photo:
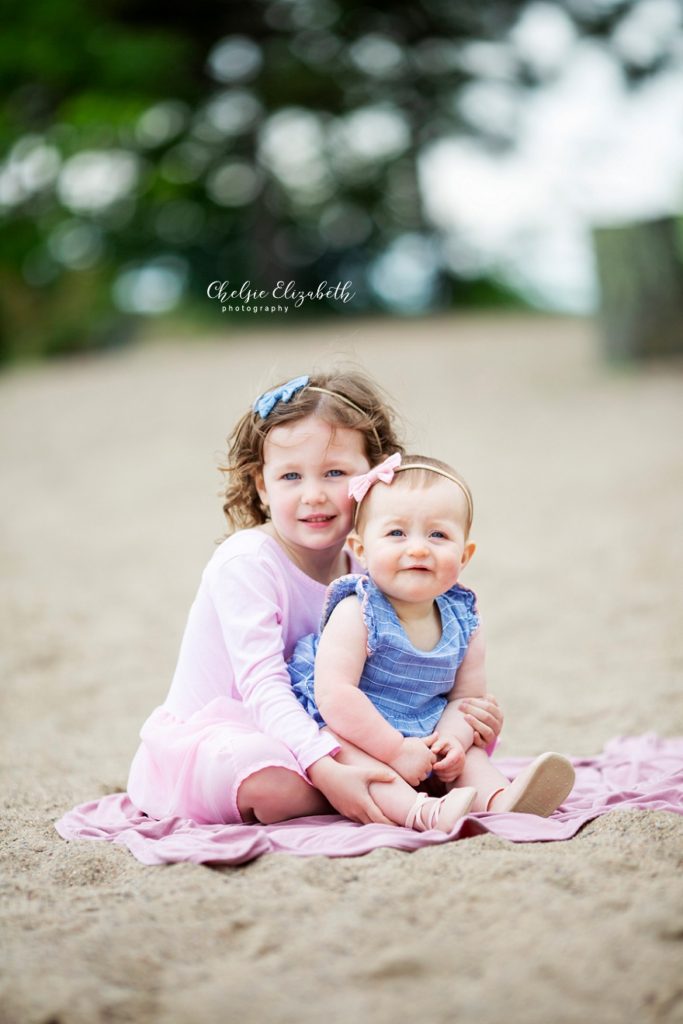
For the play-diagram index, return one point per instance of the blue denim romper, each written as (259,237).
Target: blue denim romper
(408,686)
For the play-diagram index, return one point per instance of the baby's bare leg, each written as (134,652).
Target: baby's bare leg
(393,798)
(539,789)
(482,775)
(400,802)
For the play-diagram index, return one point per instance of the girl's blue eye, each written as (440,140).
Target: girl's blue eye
(335,472)
(290,476)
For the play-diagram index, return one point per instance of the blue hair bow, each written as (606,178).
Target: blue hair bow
(266,402)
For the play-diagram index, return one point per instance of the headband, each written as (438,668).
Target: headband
(266,402)
(385,471)
(449,476)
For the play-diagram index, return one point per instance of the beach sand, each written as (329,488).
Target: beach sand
(109,514)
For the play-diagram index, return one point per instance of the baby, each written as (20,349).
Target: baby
(401,646)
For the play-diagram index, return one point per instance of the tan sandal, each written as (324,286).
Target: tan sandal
(430,812)
(539,789)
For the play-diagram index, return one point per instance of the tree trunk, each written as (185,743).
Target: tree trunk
(640,269)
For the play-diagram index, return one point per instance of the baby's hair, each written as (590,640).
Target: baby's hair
(418,471)
(370,413)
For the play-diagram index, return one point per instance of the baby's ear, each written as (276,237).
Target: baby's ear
(357,548)
(467,554)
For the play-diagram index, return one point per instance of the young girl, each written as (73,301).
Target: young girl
(401,645)
(231,743)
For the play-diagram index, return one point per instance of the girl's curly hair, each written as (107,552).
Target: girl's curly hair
(376,422)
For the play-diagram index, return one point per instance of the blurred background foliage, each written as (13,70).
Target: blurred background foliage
(147,149)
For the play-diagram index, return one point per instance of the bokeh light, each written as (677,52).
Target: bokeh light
(318,139)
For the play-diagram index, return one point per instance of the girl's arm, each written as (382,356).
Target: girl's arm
(342,651)
(248,601)
(248,598)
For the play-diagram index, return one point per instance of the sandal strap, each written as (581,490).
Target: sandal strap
(416,816)
(413,817)
(494,794)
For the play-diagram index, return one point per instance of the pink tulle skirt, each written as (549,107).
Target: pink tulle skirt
(194,768)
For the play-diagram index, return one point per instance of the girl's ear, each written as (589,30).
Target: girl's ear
(467,554)
(260,487)
(357,548)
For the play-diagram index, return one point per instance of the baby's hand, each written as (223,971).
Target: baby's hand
(415,760)
(451,758)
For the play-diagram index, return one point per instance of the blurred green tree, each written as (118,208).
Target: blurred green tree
(150,148)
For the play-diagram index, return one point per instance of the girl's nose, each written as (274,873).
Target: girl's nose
(314,494)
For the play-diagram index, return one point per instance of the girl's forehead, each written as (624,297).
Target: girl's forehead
(312,434)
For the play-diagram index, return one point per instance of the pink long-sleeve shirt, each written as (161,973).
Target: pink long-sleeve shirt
(252,605)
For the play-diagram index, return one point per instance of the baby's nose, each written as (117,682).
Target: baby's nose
(417,545)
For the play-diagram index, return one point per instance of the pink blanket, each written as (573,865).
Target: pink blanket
(640,772)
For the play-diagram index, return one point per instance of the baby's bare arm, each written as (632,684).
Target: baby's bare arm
(479,708)
(338,667)
(470,681)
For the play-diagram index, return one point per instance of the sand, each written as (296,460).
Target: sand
(109,514)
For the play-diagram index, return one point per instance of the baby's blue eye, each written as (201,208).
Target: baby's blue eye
(335,472)
(291,476)
(439,534)
(395,533)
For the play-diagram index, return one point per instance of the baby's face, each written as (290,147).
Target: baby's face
(412,541)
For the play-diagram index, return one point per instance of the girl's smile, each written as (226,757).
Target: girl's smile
(317,521)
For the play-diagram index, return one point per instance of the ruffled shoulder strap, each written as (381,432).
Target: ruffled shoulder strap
(346,586)
(464,605)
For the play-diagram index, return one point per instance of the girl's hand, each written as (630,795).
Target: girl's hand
(451,758)
(347,788)
(484,715)
(415,759)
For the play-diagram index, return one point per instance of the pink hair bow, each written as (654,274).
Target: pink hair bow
(360,485)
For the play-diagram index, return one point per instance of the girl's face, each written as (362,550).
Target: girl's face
(304,482)
(412,541)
